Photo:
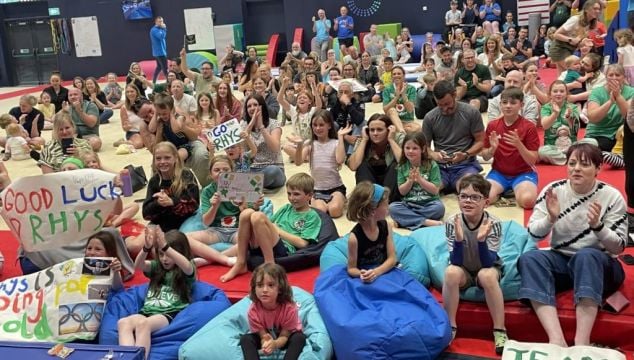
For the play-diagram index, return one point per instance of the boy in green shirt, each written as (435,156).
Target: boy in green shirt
(294,226)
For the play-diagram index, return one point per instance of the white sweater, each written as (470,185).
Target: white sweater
(571,231)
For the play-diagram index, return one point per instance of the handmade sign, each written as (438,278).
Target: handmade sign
(515,350)
(48,211)
(357,86)
(62,303)
(238,186)
(225,134)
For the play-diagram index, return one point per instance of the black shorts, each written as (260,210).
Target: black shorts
(169,316)
(279,250)
(326,195)
(347,42)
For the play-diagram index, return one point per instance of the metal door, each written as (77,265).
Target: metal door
(45,55)
(22,50)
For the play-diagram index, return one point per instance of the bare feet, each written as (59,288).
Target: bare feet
(432,222)
(200,262)
(235,270)
(230,260)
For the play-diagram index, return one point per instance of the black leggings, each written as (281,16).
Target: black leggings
(161,65)
(250,344)
(388,179)
(606,144)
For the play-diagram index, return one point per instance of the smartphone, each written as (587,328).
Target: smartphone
(627,259)
(66,144)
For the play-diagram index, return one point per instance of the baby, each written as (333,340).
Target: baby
(16,147)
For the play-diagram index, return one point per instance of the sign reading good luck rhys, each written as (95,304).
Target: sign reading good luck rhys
(48,211)
(62,303)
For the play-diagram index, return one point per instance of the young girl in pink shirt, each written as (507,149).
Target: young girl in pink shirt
(273,316)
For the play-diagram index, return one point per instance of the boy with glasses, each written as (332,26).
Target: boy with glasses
(474,236)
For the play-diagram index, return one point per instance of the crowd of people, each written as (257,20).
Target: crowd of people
(403,168)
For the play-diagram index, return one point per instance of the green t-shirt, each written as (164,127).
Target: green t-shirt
(417,194)
(571,76)
(166,300)
(89,108)
(483,74)
(550,134)
(611,123)
(305,224)
(389,94)
(227,215)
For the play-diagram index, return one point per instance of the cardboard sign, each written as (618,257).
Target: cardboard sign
(515,350)
(62,303)
(225,134)
(47,211)
(236,186)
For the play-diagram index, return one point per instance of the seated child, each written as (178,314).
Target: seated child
(294,226)
(47,109)
(242,159)
(16,147)
(425,100)
(419,182)
(371,251)
(273,316)
(403,54)
(575,82)
(220,217)
(473,237)
(103,244)
(512,142)
(72,163)
(113,92)
(507,66)
(172,275)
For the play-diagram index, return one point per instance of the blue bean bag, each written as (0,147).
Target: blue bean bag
(408,253)
(208,301)
(395,317)
(515,242)
(195,222)
(220,338)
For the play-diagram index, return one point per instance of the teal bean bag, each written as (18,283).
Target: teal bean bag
(195,222)
(515,242)
(409,255)
(220,338)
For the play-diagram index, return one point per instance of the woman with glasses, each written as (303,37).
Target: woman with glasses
(585,219)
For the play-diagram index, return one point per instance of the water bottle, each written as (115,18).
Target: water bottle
(126,179)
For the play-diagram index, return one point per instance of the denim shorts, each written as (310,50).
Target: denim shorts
(451,173)
(510,182)
(224,235)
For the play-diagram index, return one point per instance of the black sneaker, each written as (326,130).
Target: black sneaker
(35,155)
